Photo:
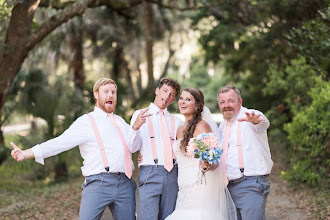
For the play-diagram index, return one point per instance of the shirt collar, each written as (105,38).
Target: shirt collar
(99,111)
(154,109)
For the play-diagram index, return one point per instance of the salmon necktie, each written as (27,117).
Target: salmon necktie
(225,149)
(168,160)
(128,159)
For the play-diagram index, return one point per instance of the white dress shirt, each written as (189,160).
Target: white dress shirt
(145,145)
(82,133)
(256,153)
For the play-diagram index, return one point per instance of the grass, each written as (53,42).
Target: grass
(24,194)
(24,198)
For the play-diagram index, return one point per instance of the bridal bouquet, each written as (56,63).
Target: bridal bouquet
(206,147)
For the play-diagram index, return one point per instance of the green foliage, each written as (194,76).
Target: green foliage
(12,102)
(248,38)
(8,108)
(292,84)
(312,41)
(39,99)
(304,111)
(309,132)
(5,9)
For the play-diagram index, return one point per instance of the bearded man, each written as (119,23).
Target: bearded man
(246,155)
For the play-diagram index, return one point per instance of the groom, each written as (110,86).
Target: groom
(246,154)
(158,183)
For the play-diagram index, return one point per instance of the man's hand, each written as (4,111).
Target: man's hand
(141,119)
(17,153)
(252,117)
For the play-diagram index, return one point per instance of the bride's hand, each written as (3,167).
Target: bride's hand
(214,166)
(205,166)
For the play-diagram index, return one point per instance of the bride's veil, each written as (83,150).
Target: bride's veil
(220,198)
(207,116)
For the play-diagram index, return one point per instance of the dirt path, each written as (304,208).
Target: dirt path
(283,203)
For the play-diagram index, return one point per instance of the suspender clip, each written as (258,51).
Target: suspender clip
(106,168)
(156,162)
(152,137)
(174,160)
(242,170)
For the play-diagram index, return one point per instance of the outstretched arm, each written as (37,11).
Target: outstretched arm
(19,154)
(258,121)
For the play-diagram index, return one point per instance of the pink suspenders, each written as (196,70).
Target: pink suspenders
(152,141)
(99,140)
(128,159)
(152,137)
(239,147)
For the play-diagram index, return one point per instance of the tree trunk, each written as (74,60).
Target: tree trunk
(139,77)
(128,77)
(75,42)
(149,29)
(14,51)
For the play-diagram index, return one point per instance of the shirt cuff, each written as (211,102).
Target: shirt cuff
(38,154)
(133,132)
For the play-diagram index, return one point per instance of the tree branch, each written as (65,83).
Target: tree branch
(58,19)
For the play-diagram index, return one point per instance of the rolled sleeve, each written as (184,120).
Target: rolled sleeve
(262,126)
(39,158)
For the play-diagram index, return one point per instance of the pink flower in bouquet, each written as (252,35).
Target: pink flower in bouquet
(191,148)
(211,141)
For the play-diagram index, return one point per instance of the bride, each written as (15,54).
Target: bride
(196,200)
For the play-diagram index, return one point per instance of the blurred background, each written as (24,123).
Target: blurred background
(51,53)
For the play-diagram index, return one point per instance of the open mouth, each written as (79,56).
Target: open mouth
(164,101)
(109,102)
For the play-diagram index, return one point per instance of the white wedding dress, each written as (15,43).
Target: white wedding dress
(198,200)
(201,201)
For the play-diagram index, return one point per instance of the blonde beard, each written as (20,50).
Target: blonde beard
(229,118)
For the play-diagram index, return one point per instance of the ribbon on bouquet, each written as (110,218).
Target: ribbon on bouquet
(201,176)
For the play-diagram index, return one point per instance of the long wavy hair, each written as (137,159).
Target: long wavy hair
(188,132)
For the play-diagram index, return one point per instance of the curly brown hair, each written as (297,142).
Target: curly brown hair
(170,82)
(188,132)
